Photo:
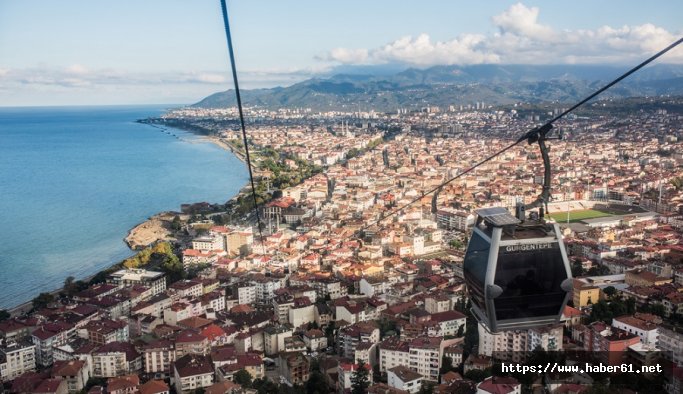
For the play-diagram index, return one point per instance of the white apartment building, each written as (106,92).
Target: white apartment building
(508,345)
(425,357)
(453,219)
(75,372)
(116,359)
(647,331)
(195,257)
(158,357)
(392,353)
(437,303)
(404,378)
(192,372)
(212,242)
(332,288)
(156,281)
(671,343)
(274,338)
(48,336)
(188,288)
(512,345)
(246,294)
(548,338)
(17,358)
(265,289)
(300,314)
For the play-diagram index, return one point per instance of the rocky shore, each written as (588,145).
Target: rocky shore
(156,228)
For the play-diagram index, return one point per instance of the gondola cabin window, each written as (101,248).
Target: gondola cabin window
(530,281)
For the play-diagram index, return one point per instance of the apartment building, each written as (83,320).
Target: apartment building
(156,281)
(158,357)
(192,372)
(17,358)
(116,359)
(425,357)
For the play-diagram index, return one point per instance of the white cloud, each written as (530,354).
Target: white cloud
(208,78)
(76,69)
(465,49)
(522,20)
(344,55)
(521,39)
(81,78)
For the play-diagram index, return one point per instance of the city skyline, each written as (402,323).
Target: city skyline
(77,52)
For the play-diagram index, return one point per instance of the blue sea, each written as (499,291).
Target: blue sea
(74,180)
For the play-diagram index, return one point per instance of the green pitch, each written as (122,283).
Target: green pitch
(575,216)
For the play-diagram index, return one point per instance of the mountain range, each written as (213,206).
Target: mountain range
(442,86)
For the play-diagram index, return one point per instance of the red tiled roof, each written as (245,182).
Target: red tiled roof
(154,387)
(122,383)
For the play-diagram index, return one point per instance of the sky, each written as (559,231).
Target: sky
(92,52)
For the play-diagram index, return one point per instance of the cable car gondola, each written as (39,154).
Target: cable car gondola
(517,272)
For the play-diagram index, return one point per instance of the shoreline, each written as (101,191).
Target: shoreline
(151,229)
(218,141)
(155,223)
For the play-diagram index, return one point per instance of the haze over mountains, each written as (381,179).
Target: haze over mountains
(457,85)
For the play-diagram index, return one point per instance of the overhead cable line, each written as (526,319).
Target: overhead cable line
(238,97)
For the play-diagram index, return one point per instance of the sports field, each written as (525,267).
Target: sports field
(575,216)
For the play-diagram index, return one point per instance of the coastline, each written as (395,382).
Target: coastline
(154,229)
(219,142)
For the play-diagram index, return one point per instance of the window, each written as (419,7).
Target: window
(530,282)
(476,262)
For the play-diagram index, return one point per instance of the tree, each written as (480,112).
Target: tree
(4,315)
(461,331)
(477,375)
(176,224)
(359,379)
(387,326)
(377,376)
(446,365)
(618,308)
(42,300)
(630,305)
(316,384)
(264,386)
(609,291)
(598,270)
(658,309)
(70,286)
(601,312)
(243,378)
(426,387)
(577,269)
(95,382)
(455,244)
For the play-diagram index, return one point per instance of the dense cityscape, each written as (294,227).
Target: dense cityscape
(354,281)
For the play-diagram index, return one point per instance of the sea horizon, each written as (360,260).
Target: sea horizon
(76,179)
